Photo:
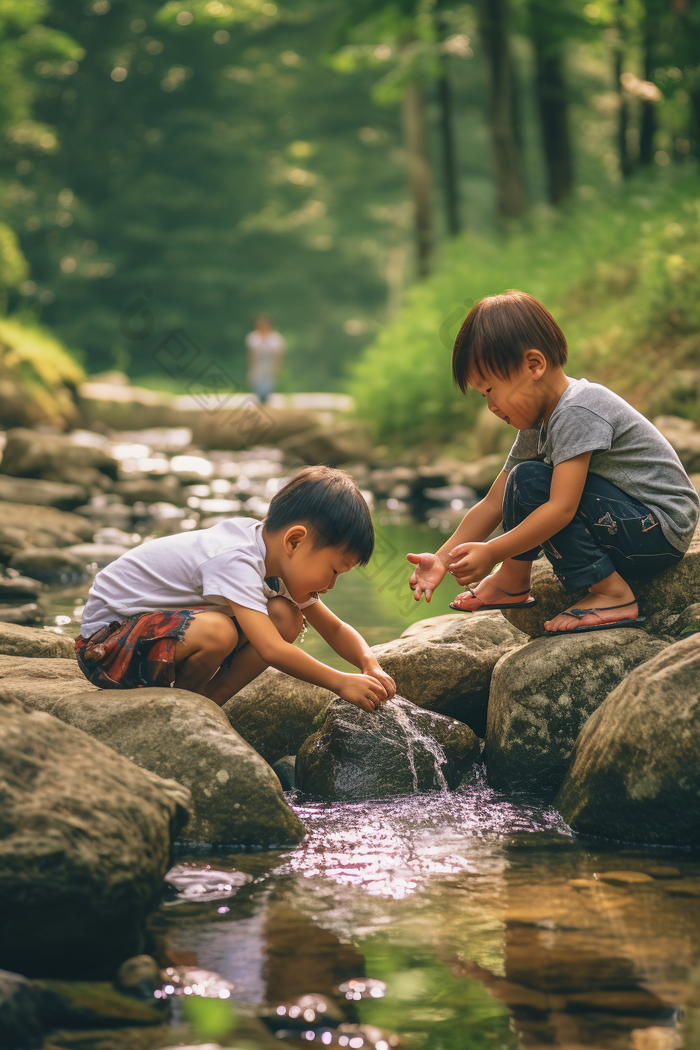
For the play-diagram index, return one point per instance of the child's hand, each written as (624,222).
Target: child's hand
(375,671)
(472,562)
(363,690)
(428,573)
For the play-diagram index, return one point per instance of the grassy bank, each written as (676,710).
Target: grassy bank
(621,274)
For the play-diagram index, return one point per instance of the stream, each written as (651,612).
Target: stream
(491,925)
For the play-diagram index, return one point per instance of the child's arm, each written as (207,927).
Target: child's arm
(361,689)
(477,524)
(473,561)
(348,643)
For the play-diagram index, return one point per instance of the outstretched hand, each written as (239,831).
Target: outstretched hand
(428,573)
(471,562)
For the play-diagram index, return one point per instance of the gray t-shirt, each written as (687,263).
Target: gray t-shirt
(628,451)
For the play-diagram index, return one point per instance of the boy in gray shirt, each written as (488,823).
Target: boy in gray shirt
(589,480)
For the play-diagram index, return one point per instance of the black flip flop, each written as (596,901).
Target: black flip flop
(513,605)
(578,614)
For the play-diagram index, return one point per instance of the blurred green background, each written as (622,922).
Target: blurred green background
(360,169)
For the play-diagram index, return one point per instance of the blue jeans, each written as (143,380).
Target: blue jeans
(610,532)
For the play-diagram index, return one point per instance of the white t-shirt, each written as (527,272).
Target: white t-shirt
(203,567)
(266,352)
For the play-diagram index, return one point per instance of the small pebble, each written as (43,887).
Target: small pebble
(622,878)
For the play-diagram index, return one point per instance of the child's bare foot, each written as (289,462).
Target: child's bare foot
(510,584)
(612,598)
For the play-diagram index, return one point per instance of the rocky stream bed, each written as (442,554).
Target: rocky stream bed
(510,845)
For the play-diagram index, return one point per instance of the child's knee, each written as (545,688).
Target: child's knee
(213,632)
(286,616)
(530,481)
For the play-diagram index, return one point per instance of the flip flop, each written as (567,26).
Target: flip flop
(578,614)
(512,605)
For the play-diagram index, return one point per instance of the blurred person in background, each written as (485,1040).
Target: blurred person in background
(266,349)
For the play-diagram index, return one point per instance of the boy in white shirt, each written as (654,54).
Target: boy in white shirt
(209,610)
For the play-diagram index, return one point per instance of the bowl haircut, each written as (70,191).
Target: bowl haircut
(498,331)
(330,503)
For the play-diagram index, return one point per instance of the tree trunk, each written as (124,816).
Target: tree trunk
(511,199)
(648,126)
(624,112)
(449,160)
(415,139)
(552,103)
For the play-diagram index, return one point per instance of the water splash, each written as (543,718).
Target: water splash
(414,736)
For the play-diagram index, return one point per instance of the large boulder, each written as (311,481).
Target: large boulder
(635,771)
(28,526)
(52,457)
(661,598)
(332,444)
(50,566)
(16,640)
(445,664)
(396,750)
(237,799)
(41,493)
(85,844)
(39,683)
(276,713)
(541,696)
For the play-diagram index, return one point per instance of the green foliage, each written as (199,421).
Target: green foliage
(218,162)
(39,376)
(621,274)
(435,1007)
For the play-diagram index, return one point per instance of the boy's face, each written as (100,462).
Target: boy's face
(309,572)
(518,400)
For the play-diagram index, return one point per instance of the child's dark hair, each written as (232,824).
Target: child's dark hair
(497,332)
(330,502)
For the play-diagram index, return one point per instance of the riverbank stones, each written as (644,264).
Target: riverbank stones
(19,640)
(397,750)
(445,664)
(635,770)
(237,799)
(86,841)
(276,713)
(541,696)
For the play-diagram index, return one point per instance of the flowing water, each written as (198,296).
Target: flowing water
(491,924)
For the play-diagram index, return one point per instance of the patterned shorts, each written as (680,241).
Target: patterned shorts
(136,652)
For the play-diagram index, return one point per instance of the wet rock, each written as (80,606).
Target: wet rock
(17,640)
(41,493)
(332,444)
(669,593)
(106,512)
(93,1004)
(481,474)
(21,1023)
(86,839)
(635,771)
(19,588)
(446,666)
(397,750)
(139,976)
(541,696)
(236,798)
(99,554)
(31,522)
(52,457)
(151,490)
(687,623)
(49,565)
(384,481)
(39,682)
(284,768)
(276,713)
(26,615)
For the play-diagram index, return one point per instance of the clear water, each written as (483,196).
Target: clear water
(464,905)
(484,915)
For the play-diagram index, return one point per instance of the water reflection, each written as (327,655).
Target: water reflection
(490,924)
